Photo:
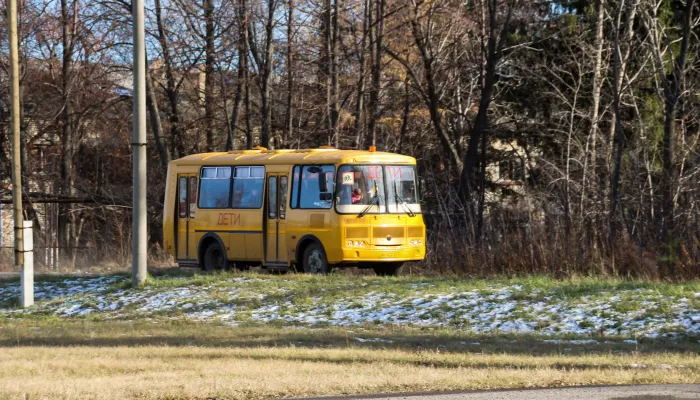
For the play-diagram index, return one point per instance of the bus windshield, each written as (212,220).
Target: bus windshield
(377,189)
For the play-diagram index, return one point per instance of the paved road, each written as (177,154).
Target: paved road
(636,392)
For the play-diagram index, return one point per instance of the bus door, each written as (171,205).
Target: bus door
(276,240)
(187,200)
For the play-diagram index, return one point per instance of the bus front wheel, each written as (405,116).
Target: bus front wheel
(214,258)
(315,261)
(387,269)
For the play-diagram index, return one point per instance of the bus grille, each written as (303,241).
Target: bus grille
(393,231)
(357,232)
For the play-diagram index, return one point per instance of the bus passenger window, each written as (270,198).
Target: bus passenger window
(215,184)
(310,192)
(248,187)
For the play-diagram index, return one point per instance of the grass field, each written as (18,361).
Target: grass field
(241,339)
(98,359)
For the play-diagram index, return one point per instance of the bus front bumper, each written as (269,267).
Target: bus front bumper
(384,253)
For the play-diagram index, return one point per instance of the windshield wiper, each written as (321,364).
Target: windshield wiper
(374,199)
(404,204)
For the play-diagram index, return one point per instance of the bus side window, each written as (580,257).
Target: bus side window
(310,191)
(215,187)
(283,197)
(272,197)
(294,203)
(183,197)
(193,195)
(248,187)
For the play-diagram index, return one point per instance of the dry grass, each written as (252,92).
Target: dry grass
(171,372)
(101,360)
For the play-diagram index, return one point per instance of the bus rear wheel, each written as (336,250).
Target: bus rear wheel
(214,258)
(387,269)
(315,261)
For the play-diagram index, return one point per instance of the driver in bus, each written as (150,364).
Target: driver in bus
(357,196)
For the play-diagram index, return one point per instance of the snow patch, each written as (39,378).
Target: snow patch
(641,313)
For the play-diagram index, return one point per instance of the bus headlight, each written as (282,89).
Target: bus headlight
(416,242)
(356,243)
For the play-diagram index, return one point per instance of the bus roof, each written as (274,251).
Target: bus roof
(301,156)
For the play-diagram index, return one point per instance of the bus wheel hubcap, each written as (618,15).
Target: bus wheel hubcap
(315,261)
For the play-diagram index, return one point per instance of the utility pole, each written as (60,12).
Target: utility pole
(138,146)
(27,290)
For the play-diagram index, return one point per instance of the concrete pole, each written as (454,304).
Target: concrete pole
(16,151)
(26,297)
(138,146)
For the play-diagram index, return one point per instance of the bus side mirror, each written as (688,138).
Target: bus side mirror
(325,196)
(322,182)
(421,189)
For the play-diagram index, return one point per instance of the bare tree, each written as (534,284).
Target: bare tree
(592,141)
(376,46)
(621,53)
(263,55)
(479,131)
(241,79)
(156,124)
(69,21)
(171,86)
(423,23)
(209,60)
(672,89)
(361,80)
(290,74)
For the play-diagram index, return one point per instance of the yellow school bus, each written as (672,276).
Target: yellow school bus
(311,210)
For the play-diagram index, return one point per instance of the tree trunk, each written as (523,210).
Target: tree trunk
(436,116)
(376,68)
(431,95)
(233,124)
(481,121)
(267,61)
(290,76)
(209,73)
(334,73)
(592,141)
(156,125)
(328,67)
(619,63)
(246,105)
(244,33)
(65,219)
(359,106)
(176,141)
(406,111)
(672,94)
